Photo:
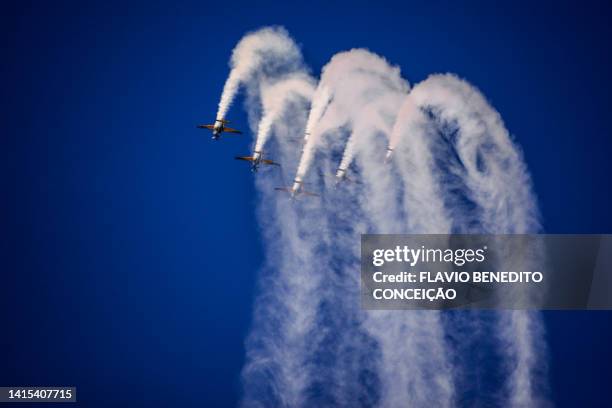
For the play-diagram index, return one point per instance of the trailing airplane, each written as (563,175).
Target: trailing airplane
(256,160)
(341,176)
(218,128)
(388,155)
(296,190)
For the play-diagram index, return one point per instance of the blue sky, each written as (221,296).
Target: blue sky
(131,247)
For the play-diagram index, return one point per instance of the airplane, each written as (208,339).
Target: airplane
(218,128)
(388,156)
(341,176)
(296,190)
(256,160)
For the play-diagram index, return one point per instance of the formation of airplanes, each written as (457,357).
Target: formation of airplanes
(257,159)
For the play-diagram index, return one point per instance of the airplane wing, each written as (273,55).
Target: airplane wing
(230,130)
(273,163)
(211,127)
(288,190)
(352,180)
(308,193)
(245,158)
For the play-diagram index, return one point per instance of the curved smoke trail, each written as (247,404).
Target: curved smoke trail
(492,166)
(377,116)
(269,47)
(492,176)
(284,311)
(274,100)
(454,169)
(347,71)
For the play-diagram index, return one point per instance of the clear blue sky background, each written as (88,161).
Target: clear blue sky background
(130,247)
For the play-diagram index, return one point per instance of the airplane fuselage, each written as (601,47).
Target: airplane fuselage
(340,175)
(388,155)
(295,188)
(256,161)
(217,130)
(218,127)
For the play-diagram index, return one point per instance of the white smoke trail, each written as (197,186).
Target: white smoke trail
(375,117)
(268,47)
(290,299)
(484,143)
(273,373)
(347,71)
(359,95)
(425,209)
(496,180)
(319,103)
(410,377)
(275,98)
(356,84)
(413,332)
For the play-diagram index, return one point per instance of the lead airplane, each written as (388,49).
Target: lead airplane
(218,128)
(257,160)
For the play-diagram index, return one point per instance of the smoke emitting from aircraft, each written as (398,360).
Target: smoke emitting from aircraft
(377,116)
(350,80)
(261,50)
(310,343)
(275,97)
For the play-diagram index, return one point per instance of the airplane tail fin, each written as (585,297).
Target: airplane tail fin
(310,194)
